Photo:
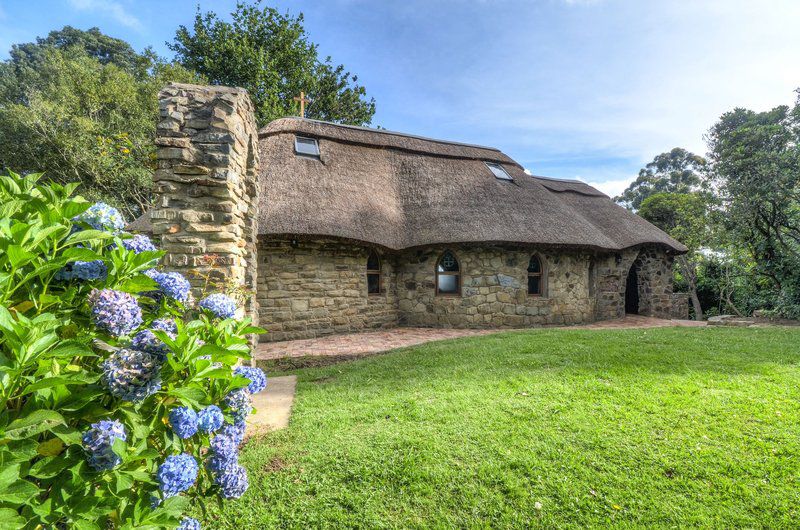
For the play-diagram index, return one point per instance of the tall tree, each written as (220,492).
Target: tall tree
(676,171)
(270,55)
(684,216)
(82,106)
(756,172)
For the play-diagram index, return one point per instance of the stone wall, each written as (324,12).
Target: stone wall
(654,274)
(319,287)
(205,185)
(494,288)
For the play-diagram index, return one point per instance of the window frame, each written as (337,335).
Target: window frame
(375,272)
(297,152)
(494,165)
(541,275)
(456,273)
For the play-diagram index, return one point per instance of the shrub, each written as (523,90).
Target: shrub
(123,405)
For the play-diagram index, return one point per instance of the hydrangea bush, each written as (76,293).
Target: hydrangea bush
(124,405)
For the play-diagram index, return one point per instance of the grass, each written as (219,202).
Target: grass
(650,428)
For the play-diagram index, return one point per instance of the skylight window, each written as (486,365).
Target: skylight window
(306,146)
(498,171)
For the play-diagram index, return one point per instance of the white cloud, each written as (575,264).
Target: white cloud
(111,8)
(612,188)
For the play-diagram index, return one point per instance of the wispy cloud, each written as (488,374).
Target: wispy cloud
(113,9)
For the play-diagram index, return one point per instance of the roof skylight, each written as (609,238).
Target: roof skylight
(306,146)
(498,171)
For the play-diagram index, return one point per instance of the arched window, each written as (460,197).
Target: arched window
(535,277)
(448,275)
(373,273)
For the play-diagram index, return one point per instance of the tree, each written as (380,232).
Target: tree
(83,107)
(756,172)
(683,216)
(270,55)
(677,171)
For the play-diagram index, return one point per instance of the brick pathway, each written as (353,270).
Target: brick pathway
(370,342)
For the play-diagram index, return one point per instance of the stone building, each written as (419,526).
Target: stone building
(336,228)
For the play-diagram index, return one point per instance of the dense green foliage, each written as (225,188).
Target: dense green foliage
(83,107)
(676,171)
(652,428)
(54,383)
(756,175)
(269,54)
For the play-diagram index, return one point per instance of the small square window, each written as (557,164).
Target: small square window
(498,171)
(306,146)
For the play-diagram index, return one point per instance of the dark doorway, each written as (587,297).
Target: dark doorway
(632,292)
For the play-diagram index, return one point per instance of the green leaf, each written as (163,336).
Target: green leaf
(88,235)
(51,447)
(18,256)
(36,422)
(19,492)
(8,475)
(10,519)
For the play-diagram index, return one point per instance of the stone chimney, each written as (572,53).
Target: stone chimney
(206,198)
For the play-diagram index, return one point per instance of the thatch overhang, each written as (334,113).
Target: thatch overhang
(401,191)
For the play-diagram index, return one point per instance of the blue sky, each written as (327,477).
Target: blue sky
(587,89)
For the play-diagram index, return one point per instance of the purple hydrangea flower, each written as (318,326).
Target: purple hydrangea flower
(114,311)
(234,431)
(178,473)
(98,442)
(257,377)
(224,453)
(101,216)
(131,375)
(187,523)
(210,419)
(139,243)
(219,304)
(183,421)
(232,480)
(173,285)
(146,340)
(239,403)
(83,270)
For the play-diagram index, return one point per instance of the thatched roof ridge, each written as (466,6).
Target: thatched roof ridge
(381,138)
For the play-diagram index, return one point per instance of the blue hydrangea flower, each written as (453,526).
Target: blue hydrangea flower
(232,480)
(187,523)
(139,243)
(219,304)
(210,419)
(114,311)
(101,216)
(173,285)
(257,377)
(98,442)
(234,431)
(83,270)
(183,421)
(178,473)
(239,403)
(131,375)
(146,340)
(224,452)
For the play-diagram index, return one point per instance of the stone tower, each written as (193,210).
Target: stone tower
(206,197)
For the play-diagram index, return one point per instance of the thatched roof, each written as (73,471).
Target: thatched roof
(401,191)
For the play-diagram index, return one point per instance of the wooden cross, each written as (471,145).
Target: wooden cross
(302,99)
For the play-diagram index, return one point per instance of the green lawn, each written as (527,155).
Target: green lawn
(547,428)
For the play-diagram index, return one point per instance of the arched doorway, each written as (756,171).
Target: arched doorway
(632,292)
